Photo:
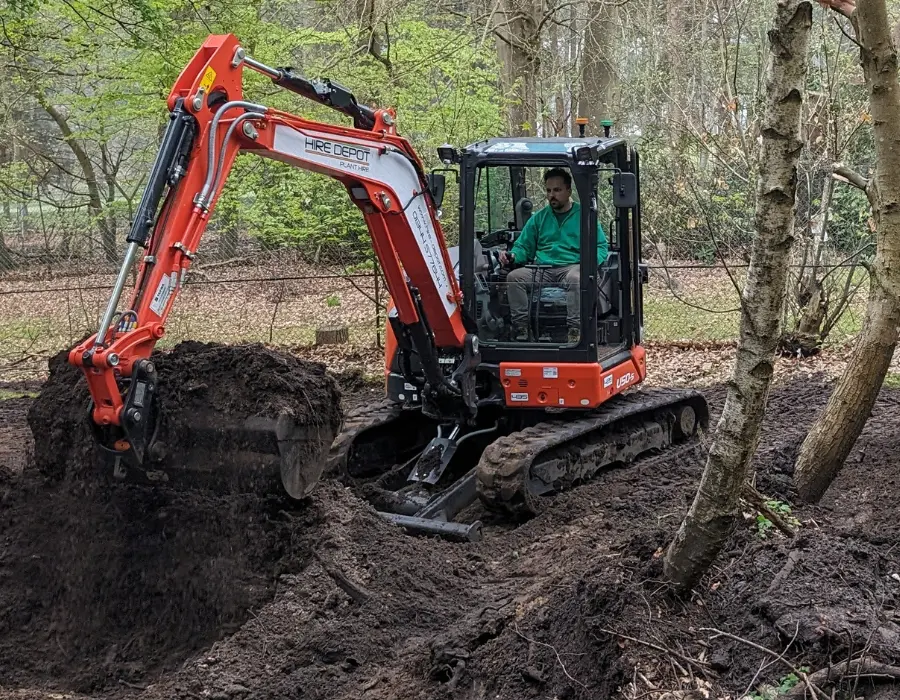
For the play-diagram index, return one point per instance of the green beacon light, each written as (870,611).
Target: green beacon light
(607,125)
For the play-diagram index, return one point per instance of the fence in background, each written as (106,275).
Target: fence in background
(44,311)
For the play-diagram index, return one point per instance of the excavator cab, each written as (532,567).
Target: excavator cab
(501,187)
(552,410)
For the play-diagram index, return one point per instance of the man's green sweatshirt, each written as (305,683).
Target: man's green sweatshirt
(555,239)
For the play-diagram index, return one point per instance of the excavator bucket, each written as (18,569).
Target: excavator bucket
(237,418)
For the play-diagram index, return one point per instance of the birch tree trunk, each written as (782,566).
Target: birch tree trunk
(835,431)
(716,506)
(6,261)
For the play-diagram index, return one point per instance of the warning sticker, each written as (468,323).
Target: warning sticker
(513,373)
(208,77)
(551,372)
(164,291)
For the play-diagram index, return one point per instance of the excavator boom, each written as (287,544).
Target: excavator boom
(210,123)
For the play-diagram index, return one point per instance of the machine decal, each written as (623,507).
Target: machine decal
(626,378)
(167,286)
(513,373)
(208,77)
(551,372)
(518,397)
(607,381)
(349,156)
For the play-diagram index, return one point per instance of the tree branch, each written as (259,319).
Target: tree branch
(865,667)
(842,7)
(807,682)
(850,176)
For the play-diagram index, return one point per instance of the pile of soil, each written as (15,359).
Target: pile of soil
(165,594)
(106,586)
(15,438)
(202,386)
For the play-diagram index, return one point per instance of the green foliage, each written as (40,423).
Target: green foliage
(108,67)
(769,692)
(281,206)
(443,87)
(764,525)
(849,220)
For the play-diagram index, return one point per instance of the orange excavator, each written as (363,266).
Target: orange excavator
(472,410)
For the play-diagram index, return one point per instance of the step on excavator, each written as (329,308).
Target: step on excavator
(473,410)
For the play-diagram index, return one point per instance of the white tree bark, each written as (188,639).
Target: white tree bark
(716,506)
(836,430)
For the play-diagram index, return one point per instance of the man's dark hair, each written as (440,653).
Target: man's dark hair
(559,172)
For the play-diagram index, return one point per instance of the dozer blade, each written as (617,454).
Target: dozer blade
(517,470)
(377,437)
(225,418)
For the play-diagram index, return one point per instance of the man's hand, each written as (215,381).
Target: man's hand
(506,259)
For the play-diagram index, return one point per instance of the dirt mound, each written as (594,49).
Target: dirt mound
(97,587)
(570,604)
(205,395)
(15,438)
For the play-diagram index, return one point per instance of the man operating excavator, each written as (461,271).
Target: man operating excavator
(551,237)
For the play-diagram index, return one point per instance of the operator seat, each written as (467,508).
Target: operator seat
(478,253)
(606,279)
(554,297)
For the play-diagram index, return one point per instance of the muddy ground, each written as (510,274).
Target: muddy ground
(151,593)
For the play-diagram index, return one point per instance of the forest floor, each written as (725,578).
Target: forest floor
(150,593)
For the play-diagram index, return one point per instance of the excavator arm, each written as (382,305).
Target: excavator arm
(210,123)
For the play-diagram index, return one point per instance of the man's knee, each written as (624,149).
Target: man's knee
(520,274)
(573,278)
(521,277)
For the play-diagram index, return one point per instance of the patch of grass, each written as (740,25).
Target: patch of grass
(668,319)
(6,394)
(22,328)
(332,301)
(892,380)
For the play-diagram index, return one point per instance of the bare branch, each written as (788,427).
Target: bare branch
(842,7)
(845,33)
(865,667)
(809,685)
(850,176)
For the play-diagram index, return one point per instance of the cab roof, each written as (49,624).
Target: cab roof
(554,146)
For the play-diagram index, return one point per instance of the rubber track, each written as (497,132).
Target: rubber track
(357,421)
(505,466)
